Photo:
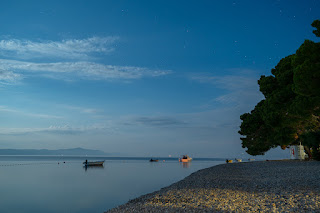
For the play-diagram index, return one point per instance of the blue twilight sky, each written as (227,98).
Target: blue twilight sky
(140,78)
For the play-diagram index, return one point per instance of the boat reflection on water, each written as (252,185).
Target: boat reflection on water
(93,167)
(185,164)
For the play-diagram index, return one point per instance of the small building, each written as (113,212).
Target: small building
(297,152)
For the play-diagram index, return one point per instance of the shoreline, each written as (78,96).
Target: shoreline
(260,186)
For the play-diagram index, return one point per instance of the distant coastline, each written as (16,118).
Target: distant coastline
(74,151)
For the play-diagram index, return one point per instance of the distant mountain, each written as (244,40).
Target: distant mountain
(75,151)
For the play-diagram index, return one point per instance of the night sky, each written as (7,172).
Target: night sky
(140,78)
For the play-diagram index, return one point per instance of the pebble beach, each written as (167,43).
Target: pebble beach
(261,186)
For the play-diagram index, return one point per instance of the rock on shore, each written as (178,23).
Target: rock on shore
(265,186)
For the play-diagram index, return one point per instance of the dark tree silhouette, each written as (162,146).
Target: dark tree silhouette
(290,112)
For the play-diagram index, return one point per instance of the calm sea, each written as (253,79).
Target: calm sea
(61,184)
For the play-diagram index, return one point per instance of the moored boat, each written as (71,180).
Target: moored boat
(153,160)
(185,159)
(93,163)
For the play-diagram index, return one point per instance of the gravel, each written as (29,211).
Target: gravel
(261,186)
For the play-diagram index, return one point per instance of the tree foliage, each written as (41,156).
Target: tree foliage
(290,112)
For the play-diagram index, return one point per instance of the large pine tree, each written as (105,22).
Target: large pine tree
(290,112)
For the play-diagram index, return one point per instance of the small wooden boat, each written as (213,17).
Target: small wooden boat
(153,160)
(185,159)
(93,163)
(238,160)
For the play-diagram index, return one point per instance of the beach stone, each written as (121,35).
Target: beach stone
(259,186)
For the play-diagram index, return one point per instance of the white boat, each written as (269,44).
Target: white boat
(93,163)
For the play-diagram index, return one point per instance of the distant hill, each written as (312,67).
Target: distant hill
(75,151)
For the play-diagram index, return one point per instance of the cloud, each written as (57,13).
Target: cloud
(65,60)
(23,113)
(228,82)
(9,77)
(240,90)
(62,130)
(51,130)
(158,121)
(81,109)
(71,49)
(58,130)
(83,70)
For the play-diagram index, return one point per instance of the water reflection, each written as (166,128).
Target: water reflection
(185,164)
(93,167)
(33,183)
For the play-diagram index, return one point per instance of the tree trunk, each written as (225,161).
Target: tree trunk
(307,150)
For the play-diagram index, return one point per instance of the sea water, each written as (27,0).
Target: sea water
(61,184)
